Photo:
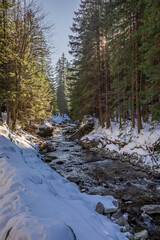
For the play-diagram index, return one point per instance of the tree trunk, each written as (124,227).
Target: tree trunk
(107,94)
(139,123)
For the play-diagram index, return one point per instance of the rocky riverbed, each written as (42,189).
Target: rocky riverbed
(98,173)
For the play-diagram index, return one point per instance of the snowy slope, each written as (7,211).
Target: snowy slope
(38,204)
(139,145)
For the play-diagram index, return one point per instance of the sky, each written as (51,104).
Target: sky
(60,13)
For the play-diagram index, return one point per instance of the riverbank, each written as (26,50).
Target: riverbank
(33,194)
(141,149)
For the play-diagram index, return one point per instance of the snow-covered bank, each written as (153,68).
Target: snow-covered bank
(37,203)
(126,141)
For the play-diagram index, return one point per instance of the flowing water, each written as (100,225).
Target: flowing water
(97,173)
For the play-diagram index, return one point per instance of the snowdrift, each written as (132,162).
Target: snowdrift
(38,204)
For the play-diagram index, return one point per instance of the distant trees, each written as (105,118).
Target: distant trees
(116,46)
(25,86)
(62,73)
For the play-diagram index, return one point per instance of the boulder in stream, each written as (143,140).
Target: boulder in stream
(45,130)
(151,209)
(47,147)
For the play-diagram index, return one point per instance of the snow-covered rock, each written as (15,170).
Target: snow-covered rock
(151,209)
(45,130)
(141,235)
(36,203)
(86,126)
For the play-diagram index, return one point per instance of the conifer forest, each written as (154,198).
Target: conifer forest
(114,73)
(80,119)
(116,49)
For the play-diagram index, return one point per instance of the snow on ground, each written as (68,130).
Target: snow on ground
(36,203)
(59,119)
(135,144)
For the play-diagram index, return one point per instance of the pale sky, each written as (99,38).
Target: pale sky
(61,13)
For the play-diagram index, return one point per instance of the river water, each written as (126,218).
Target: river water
(97,173)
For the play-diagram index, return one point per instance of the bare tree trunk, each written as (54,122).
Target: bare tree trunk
(107,95)
(133,80)
(139,123)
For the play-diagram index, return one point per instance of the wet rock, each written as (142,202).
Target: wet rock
(127,229)
(53,157)
(100,208)
(128,184)
(146,219)
(117,214)
(126,198)
(69,170)
(122,221)
(48,160)
(66,150)
(141,235)
(151,209)
(59,162)
(47,147)
(84,168)
(87,143)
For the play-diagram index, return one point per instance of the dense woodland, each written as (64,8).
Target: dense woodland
(114,75)
(63,85)
(116,50)
(26,89)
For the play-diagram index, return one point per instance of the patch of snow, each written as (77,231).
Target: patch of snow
(59,119)
(46,125)
(37,203)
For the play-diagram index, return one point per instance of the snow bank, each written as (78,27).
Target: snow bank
(140,145)
(59,118)
(36,203)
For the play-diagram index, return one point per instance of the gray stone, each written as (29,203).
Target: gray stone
(146,219)
(151,209)
(122,221)
(141,235)
(110,210)
(100,208)
(117,214)
(47,147)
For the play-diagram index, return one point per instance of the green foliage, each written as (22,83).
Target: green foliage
(25,81)
(116,51)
